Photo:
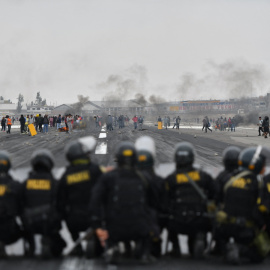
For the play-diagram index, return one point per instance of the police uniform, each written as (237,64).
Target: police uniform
(76,184)
(241,218)
(123,195)
(188,192)
(10,231)
(230,160)
(146,152)
(186,208)
(74,195)
(39,212)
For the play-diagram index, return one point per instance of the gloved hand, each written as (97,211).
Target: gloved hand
(102,235)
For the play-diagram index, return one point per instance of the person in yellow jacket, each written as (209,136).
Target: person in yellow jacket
(9,123)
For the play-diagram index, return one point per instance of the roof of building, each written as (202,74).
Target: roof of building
(117,103)
(62,105)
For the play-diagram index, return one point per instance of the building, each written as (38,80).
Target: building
(39,109)
(62,109)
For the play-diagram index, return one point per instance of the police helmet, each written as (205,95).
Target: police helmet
(252,159)
(126,154)
(184,154)
(146,151)
(75,150)
(42,159)
(230,157)
(4,161)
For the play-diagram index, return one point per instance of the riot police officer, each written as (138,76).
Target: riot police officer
(230,160)
(122,193)
(146,153)
(10,231)
(188,192)
(241,218)
(74,191)
(39,212)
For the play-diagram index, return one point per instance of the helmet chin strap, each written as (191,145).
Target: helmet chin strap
(256,155)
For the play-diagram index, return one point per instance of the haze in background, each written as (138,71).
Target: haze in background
(168,49)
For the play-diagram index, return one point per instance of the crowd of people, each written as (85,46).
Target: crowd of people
(263,126)
(132,203)
(42,123)
(112,121)
(166,120)
(221,124)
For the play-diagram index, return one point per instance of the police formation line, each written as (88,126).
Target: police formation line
(130,204)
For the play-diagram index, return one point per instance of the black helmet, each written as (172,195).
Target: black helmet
(146,152)
(126,154)
(144,159)
(184,154)
(80,149)
(252,159)
(42,159)
(230,157)
(74,150)
(4,161)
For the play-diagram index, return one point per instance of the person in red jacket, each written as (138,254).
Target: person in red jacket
(135,120)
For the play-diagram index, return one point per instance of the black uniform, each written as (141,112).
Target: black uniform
(39,211)
(220,182)
(242,216)
(156,201)
(124,194)
(74,195)
(9,209)
(186,207)
(265,201)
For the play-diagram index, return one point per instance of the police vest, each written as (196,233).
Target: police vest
(184,199)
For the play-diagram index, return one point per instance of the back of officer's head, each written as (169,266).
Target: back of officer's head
(146,152)
(42,160)
(79,150)
(230,157)
(126,155)
(4,162)
(184,155)
(252,159)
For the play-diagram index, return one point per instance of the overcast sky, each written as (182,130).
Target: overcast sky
(173,48)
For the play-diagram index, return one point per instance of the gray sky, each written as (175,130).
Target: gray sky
(174,48)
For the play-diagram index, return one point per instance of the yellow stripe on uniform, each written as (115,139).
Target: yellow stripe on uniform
(38,184)
(78,177)
(240,183)
(182,178)
(3,189)
(268,187)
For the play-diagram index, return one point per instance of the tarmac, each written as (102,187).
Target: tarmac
(209,147)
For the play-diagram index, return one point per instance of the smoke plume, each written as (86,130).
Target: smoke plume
(232,79)
(155,100)
(77,107)
(140,99)
(123,87)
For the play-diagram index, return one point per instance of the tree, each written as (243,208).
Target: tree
(19,105)
(38,98)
